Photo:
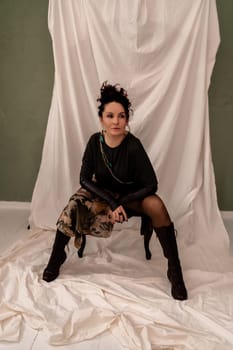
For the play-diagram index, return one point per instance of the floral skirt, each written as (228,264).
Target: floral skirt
(86,214)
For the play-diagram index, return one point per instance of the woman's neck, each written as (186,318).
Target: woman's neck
(113,141)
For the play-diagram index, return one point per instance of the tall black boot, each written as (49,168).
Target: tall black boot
(167,239)
(57,258)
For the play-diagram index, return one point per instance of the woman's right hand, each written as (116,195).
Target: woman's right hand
(119,215)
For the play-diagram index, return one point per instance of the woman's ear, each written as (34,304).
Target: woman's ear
(101,122)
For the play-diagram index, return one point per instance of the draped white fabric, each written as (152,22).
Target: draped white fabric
(163,53)
(113,291)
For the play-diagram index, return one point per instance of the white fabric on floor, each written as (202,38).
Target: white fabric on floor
(114,288)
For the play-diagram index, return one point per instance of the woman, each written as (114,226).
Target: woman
(118,181)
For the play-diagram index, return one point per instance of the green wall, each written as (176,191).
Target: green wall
(26,81)
(221,108)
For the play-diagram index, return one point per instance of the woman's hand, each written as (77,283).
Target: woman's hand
(118,215)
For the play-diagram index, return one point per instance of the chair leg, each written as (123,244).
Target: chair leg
(83,244)
(147,231)
(147,237)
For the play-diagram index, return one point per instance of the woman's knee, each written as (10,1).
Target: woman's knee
(153,202)
(154,207)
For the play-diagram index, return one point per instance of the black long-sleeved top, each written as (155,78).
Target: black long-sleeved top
(129,163)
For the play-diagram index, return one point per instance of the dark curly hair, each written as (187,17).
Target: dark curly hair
(113,93)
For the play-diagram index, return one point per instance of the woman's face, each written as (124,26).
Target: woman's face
(114,119)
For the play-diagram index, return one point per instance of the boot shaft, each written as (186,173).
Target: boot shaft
(60,241)
(167,238)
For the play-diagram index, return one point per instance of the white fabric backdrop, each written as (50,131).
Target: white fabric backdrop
(163,53)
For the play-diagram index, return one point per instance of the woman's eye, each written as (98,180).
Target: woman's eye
(122,116)
(109,115)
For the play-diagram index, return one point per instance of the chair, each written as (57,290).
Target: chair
(146,230)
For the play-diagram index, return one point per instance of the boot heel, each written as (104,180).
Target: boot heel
(178,289)
(50,275)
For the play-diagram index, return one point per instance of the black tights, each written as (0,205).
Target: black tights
(153,207)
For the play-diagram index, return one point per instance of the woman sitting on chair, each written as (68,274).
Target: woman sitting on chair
(118,182)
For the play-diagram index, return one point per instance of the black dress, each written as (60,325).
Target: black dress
(109,177)
(131,174)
